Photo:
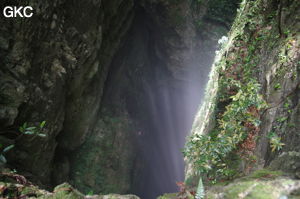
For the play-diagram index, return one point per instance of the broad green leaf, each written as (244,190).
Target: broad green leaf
(21,129)
(8,148)
(30,128)
(42,124)
(28,132)
(2,159)
(42,135)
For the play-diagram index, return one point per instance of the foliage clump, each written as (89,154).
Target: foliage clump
(33,131)
(228,126)
(238,101)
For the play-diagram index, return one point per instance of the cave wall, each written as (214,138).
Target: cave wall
(53,68)
(265,39)
(157,56)
(89,69)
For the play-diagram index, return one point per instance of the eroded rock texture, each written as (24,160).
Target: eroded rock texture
(93,70)
(53,68)
(265,39)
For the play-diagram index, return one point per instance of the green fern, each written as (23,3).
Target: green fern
(200,190)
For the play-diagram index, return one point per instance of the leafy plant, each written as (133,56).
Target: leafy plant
(277,86)
(237,112)
(90,193)
(5,150)
(33,130)
(275,142)
(281,119)
(24,130)
(286,105)
(208,152)
(200,190)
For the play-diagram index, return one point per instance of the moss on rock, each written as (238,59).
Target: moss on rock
(256,188)
(63,191)
(168,196)
(110,151)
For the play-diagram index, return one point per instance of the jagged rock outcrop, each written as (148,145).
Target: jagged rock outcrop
(53,68)
(250,116)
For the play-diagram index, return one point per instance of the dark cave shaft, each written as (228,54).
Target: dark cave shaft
(163,105)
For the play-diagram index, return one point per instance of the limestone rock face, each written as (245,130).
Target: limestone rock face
(83,66)
(265,39)
(53,68)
